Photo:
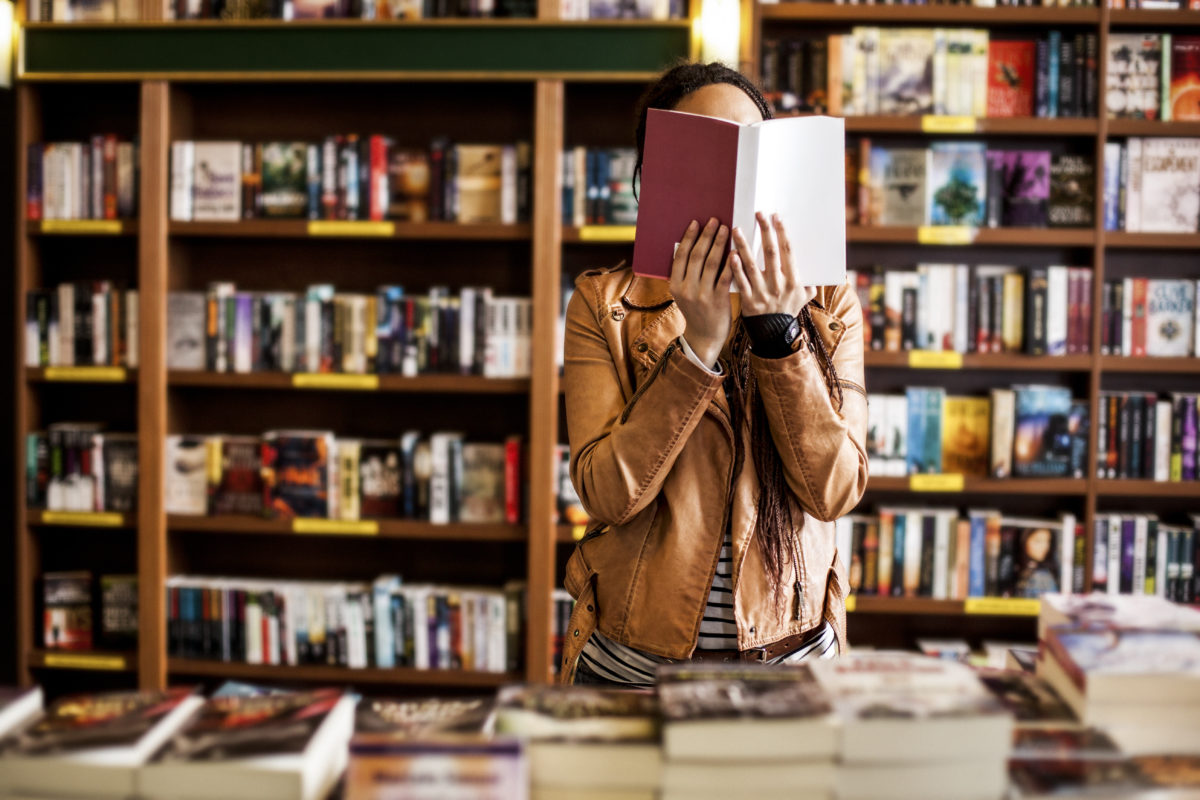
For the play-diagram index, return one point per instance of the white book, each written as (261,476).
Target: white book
(1114,554)
(66,324)
(962,286)
(1162,440)
(1003,421)
(896,428)
(1133,186)
(1056,310)
(440,498)
(18,707)
(100,328)
(1140,522)
(217,181)
(132,329)
(1127,317)
(1066,552)
(186,479)
(183,166)
(943,529)
(1170,184)
(1160,564)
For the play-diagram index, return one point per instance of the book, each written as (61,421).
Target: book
(1183,101)
(1033,702)
(956,185)
(1112,610)
(1170,314)
(426,717)
(185,330)
(483,487)
(906,71)
(966,424)
(1065,741)
(1036,564)
(478,182)
(284,179)
(731,712)
(187,479)
(1072,192)
(1170,174)
(289,745)
(898,186)
(1133,76)
(235,481)
(94,745)
(217,186)
(1042,441)
(383,767)
(576,713)
(751,168)
(1025,176)
(1011,73)
(67,610)
(409,184)
(296,474)
(118,611)
(380,480)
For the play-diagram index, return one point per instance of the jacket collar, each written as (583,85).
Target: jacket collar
(647,293)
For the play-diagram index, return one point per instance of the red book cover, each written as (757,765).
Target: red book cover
(110,176)
(512,480)
(1073,311)
(1137,329)
(864,181)
(1185,78)
(1012,68)
(378,192)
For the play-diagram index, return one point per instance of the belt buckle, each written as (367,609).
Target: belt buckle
(755,655)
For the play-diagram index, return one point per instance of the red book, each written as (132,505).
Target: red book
(110,176)
(1137,328)
(378,192)
(1012,68)
(1185,78)
(512,480)
(698,167)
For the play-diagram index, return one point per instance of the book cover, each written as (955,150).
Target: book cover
(749,168)
(426,717)
(67,610)
(956,185)
(383,767)
(966,424)
(1170,185)
(82,721)
(1026,194)
(185,330)
(217,186)
(187,481)
(408,184)
(1170,314)
(1133,78)
(118,610)
(1033,702)
(296,468)
(695,692)
(478,182)
(906,71)
(482,483)
(380,480)
(1184,98)
(1072,192)
(898,186)
(1012,72)
(576,712)
(1036,550)
(1041,440)
(235,475)
(119,456)
(285,179)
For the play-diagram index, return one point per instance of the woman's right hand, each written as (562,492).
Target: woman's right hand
(701,288)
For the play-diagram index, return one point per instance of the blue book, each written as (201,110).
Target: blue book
(1055,45)
(916,429)
(932,449)
(956,186)
(1112,186)
(975,560)
(898,527)
(1042,432)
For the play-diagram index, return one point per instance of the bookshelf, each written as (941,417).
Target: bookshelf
(557,84)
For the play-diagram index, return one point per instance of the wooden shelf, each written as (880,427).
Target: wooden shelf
(1141,488)
(339,675)
(1010,126)
(987,361)
(1153,241)
(598,234)
(1146,127)
(80,375)
(84,660)
(927,606)
(300,229)
(1157,19)
(79,519)
(1177,366)
(1010,486)
(432,384)
(82,227)
(928,14)
(384,529)
(1014,237)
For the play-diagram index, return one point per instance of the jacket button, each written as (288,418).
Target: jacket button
(752,629)
(618,314)
(576,633)
(590,608)
(642,347)
(833,326)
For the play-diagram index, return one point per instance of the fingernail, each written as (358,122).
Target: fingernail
(775,217)
(713,221)
(693,225)
(722,230)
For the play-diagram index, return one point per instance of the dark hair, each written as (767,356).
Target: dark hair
(677,83)
(775,498)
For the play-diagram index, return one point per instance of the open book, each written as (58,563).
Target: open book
(696,167)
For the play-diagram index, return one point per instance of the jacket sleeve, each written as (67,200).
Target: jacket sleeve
(823,449)
(622,448)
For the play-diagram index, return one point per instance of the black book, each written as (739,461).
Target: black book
(1149,427)
(1006,564)
(1124,426)
(1132,449)
(1189,565)
(1090,76)
(1035,311)
(1152,576)
(928,547)
(1042,84)
(908,320)
(1116,334)
(878,316)
(437,179)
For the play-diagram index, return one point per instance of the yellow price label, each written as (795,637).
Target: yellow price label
(606,233)
(941,123)
(334,227)
(314,380)
(338,527)
(89,226)
(851,603)
(1003,606)
(83,661)
(88,519)
(934,359)
(91,374)
(945,234)
(935,483)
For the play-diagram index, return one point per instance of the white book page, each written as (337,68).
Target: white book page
(800,175)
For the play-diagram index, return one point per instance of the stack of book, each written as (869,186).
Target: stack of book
(350,177)
(916,727)
(598,186)
(583,741)
(1130,665)
(1152,185)
(76,466)
(1143,437)
(734,730)
(1149,317)
(96,179)
(1137,554)
(1152,76)
(88,323)
(77,617)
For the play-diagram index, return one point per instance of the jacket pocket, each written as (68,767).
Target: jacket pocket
(579,573)
(637,395)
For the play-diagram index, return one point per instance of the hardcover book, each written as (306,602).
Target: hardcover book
(119,459)
(788,166)
(956,185)
(1134,75)
(284,179)
(1170,170)
(1072,192)
(906,71)
(966,423)
(235,475)
(1036,563)
(1042,440)
(482,496)
(1184,101)
(426,717)
(1170,314)
(1012,72)
(408,184)
(478,182)
(217,186)
(67,610)
(380,479)
(185,330)
(296,467)
(898,186)
(1025,178)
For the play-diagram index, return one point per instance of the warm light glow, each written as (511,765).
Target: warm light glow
(7,38)
(720,31)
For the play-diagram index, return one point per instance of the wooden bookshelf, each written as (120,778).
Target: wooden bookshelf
(918,360)
(933,14)
(1065,487)
(420,384)
(925,606)
(321,229)
(1154,20)
(1177,366)
(950,235)
(1010,126)
(199,668)
(81,227)
(385,529)
(1147,127)
(80,375)
(1185,490)
(83,660)
(78,519)
(1152,241)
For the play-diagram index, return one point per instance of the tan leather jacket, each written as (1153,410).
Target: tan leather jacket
(652,460)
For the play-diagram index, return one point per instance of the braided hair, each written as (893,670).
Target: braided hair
(774,520)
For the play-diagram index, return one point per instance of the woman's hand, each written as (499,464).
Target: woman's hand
(701,288)
(775,289)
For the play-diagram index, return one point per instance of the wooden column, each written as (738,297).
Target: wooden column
(152,385)
(543,392)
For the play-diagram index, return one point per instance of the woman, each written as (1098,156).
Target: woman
(714,439)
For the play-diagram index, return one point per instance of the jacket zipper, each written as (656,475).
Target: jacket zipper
(649,380)
(797,584)
(852,386)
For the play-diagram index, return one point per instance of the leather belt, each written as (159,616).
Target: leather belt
(755,654)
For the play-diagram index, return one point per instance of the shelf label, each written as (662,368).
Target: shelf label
(335,227)
(110,226)
(339,527)
(91,374)
(606,233)
(851,603)
(940,123)
(945,234)
(315,380)
(89,519)
(1003,606)
(934,359)
(83,661)
(949,482)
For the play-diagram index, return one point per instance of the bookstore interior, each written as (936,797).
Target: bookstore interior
(293,509)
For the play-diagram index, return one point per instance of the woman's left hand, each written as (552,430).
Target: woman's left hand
(776,288)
